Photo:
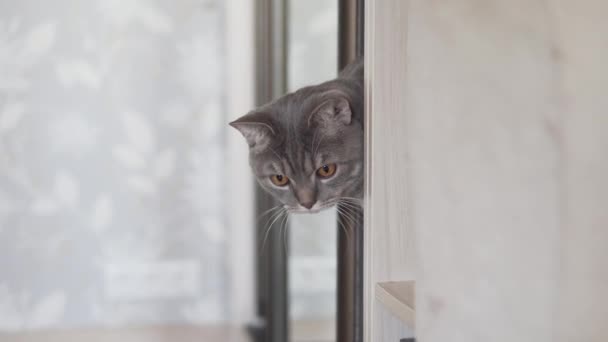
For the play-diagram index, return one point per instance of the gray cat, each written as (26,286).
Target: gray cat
(306,148)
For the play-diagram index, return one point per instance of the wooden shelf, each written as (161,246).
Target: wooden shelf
(398,297)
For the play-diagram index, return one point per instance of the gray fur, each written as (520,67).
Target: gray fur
(300,132)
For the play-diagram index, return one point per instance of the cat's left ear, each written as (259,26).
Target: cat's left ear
(331,111)
(257,128)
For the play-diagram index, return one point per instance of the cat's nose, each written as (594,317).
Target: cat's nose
(306,197)
(307,204)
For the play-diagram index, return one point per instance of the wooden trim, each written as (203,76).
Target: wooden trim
(368,251)
(240,86)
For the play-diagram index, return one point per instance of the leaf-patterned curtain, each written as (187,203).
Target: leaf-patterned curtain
(111,153)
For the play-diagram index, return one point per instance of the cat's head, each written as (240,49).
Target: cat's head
(306,148)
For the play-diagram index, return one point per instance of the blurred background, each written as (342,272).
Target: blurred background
(119,176)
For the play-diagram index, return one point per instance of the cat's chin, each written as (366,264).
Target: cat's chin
(304,211)
(315,209)
(307,211)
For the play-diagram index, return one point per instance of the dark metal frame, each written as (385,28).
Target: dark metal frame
(272,261)
(349,325)
(272,258)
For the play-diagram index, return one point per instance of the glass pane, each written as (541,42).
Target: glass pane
(312,58)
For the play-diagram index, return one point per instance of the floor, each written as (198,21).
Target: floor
(135,334)
(313,331)
(301,331)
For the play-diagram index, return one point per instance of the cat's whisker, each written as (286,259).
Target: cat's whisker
(356,208)
(267,212)
(358,201)
(348,215)
(266,230)
(267,233)
(275,153)
(352,211)
(314,137)
(275,214)
(318,145)
(342,214)
(349,202)
(285,224)
(269,228)
(352,199)
(344,229)
(352,214)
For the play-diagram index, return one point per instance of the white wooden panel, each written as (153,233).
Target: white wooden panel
(389,246)
(484,169)
(502,166)
(389,328)
(582,49)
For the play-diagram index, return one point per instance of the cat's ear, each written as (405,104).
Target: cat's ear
(334,110)
(257,128)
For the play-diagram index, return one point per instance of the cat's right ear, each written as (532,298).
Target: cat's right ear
(257,128)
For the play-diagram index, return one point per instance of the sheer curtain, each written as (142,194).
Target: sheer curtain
(112,162)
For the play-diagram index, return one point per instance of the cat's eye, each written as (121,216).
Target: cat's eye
(279,180)
(326,171)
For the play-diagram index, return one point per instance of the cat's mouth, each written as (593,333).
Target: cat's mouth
(314,209)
